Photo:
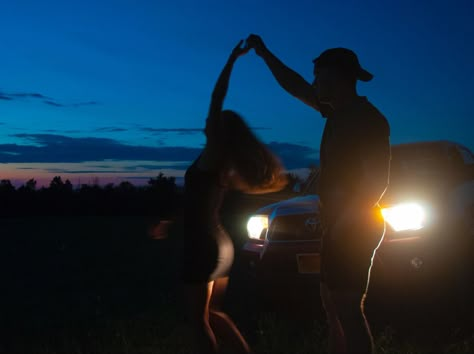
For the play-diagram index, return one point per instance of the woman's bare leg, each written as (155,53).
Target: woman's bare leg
(221,323)
(198,296)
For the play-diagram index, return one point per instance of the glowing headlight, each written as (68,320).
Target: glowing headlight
(256,225)
(404,217)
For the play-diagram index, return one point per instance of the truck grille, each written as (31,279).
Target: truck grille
(300,227)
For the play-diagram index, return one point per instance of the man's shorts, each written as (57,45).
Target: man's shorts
(346,257)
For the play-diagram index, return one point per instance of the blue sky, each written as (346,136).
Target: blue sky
(120,89)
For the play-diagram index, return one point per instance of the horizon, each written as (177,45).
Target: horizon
(120,90)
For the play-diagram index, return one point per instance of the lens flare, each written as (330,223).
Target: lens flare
(403,217)
(256,225)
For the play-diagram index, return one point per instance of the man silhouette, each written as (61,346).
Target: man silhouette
(355,160)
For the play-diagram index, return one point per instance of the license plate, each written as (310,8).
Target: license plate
(308,263)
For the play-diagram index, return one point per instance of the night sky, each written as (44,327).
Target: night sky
(115,90)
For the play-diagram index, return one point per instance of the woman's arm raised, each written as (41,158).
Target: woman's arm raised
(220,91)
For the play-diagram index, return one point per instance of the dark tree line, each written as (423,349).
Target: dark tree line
(160,196)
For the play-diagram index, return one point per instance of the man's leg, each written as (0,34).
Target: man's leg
(336,340)
(354,324)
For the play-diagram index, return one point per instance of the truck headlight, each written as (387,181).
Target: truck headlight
(403,217)
(256,225)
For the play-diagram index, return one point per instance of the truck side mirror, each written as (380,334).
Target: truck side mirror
(297,187)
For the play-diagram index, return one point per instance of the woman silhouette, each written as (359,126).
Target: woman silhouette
(233,158)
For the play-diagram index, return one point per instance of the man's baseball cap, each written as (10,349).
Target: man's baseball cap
(344,59)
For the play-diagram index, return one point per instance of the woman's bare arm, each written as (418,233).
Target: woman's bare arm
(208,157)
(220,91)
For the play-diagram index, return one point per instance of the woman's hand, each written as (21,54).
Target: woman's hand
(238,51)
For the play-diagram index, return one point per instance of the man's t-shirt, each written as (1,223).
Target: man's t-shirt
(355,139)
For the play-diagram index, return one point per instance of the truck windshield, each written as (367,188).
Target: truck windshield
(310,185)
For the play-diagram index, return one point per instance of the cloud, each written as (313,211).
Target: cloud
(181,131)
(178,165)
(59,171)
(111,130)
(108,167)
(61,131)
(44,99)
(58,148)
(110,171)
(294,155)
(52,148)
(96,130)
(52,103)
(27,95)
(184,131)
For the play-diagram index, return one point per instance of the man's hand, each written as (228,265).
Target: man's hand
(254,41)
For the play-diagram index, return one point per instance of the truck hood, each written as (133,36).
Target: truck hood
(298,205)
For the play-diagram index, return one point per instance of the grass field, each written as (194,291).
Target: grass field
(102,285)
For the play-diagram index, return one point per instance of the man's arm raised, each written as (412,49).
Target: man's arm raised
(289,80)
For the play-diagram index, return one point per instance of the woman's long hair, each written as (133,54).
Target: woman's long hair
(254,163)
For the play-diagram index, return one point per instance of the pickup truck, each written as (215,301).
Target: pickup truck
(426,257)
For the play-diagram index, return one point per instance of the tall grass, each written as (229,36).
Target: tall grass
(101,286)
(173,336)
